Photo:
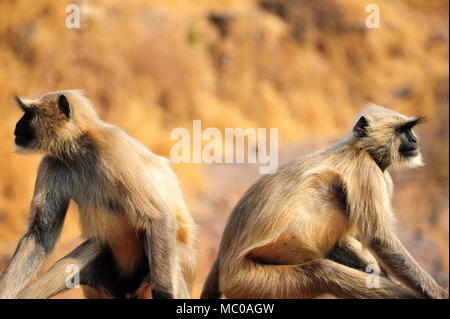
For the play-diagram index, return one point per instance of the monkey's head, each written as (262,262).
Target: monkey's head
(52,122)
(388,137)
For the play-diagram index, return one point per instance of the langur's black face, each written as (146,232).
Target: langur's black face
(390,140)
(408,141)
(40,126)
(24,132)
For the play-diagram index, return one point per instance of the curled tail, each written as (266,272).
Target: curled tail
(211,288)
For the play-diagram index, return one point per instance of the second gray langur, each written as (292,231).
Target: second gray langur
(315,226)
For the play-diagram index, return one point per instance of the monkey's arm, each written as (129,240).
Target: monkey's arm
(160,249)
(394,256)
(370,208)
(48,209)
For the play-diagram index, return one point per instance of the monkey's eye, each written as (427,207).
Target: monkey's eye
(408,136)
(401,130)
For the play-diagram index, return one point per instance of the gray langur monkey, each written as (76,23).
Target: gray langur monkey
(140,236)
(314,226)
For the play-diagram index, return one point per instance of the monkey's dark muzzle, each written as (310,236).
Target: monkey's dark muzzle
(409,151)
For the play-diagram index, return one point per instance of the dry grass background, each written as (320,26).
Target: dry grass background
(306,67)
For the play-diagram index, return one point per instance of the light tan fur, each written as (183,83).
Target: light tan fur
(282,231)
(55,279)
(129,199)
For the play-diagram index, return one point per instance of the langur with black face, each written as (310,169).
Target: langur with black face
(320,222)
(140,237)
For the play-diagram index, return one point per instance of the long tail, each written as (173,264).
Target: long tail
(211,288)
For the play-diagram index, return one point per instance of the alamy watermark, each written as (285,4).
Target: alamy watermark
(73,279)
(373,19)
(373,280)
(259,146)
(73,19)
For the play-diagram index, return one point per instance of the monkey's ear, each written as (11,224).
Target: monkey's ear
(360,128)
(64,106)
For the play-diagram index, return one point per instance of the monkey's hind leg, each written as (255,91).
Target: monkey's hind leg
(53,281)
(308,280)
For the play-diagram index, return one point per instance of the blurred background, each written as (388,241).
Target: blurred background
(304,67)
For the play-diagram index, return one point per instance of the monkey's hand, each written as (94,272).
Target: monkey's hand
(444,294)
(402,265)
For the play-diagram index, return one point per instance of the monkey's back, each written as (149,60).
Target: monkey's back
(133,175)
(278,209)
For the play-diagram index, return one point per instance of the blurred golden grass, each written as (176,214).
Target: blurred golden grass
(151,66)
